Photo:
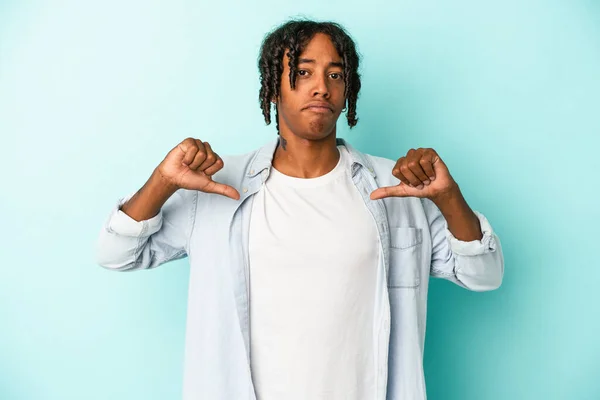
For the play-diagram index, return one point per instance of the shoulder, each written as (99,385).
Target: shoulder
(235,167)
(382,167)
(380,163)
(398,206)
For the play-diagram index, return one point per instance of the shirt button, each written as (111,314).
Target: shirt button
(252,172)
(245,190)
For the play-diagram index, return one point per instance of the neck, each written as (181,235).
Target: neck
(303,158)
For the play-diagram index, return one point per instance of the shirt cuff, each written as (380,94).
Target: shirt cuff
(486,244)
(122,224)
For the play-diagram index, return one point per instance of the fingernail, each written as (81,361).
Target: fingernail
(420,187)
(432,178)
(426,182)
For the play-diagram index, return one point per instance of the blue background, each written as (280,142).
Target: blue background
(94,94)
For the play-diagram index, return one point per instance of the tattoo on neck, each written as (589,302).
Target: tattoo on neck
(283,143)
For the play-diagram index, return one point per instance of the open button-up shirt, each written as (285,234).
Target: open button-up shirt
(212,230)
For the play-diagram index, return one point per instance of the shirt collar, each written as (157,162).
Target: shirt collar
(264,158)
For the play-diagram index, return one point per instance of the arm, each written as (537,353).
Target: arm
(147,202)
(462,221)
(476,262)
(147,229)
(153,225)
(464,248)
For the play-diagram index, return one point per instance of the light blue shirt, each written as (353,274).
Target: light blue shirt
(212,230)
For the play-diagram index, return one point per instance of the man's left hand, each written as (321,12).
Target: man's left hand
(422,173)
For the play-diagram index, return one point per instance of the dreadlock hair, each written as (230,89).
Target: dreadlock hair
(294,35)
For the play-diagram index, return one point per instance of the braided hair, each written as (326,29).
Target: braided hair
(294,35)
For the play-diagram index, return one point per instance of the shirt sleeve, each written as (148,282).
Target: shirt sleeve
(486,244)
(125,244)
(475,265)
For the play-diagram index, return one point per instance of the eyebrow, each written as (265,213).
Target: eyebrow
(311,61)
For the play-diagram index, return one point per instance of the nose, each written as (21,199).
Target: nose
(321,88)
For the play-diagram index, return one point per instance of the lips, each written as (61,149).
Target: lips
(320,107)
(323,110)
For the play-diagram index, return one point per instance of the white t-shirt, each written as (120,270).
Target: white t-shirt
(314,253)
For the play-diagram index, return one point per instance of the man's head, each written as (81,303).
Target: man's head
(304,65)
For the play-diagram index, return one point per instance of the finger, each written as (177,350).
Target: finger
(213,169)
(392,191)
(439,165)
(200,155)
(225,190)
(427,165)
(400,176)
(412,178)
(415,167)
(397,173)
(189,150)
(211,157)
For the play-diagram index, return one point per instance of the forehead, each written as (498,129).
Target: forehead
(321,49)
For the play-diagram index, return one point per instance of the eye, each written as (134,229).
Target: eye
(336,76)
(302,72)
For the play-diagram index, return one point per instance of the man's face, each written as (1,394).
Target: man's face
(311,110)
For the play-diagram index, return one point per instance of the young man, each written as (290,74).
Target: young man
(309,260)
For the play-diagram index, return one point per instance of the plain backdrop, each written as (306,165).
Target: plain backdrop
(93,94)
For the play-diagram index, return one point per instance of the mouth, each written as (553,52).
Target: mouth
(319,109)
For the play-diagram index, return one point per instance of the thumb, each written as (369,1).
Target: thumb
(224,190)
(193,180)
(400,190)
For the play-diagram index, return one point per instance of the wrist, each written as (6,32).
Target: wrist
(159,183)
(463,223)
(450,196)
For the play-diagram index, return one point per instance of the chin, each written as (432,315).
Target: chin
(319,130)
(315,136)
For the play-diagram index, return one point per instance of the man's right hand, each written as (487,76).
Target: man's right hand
(191,165)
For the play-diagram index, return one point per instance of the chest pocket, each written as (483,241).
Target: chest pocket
(405,257)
